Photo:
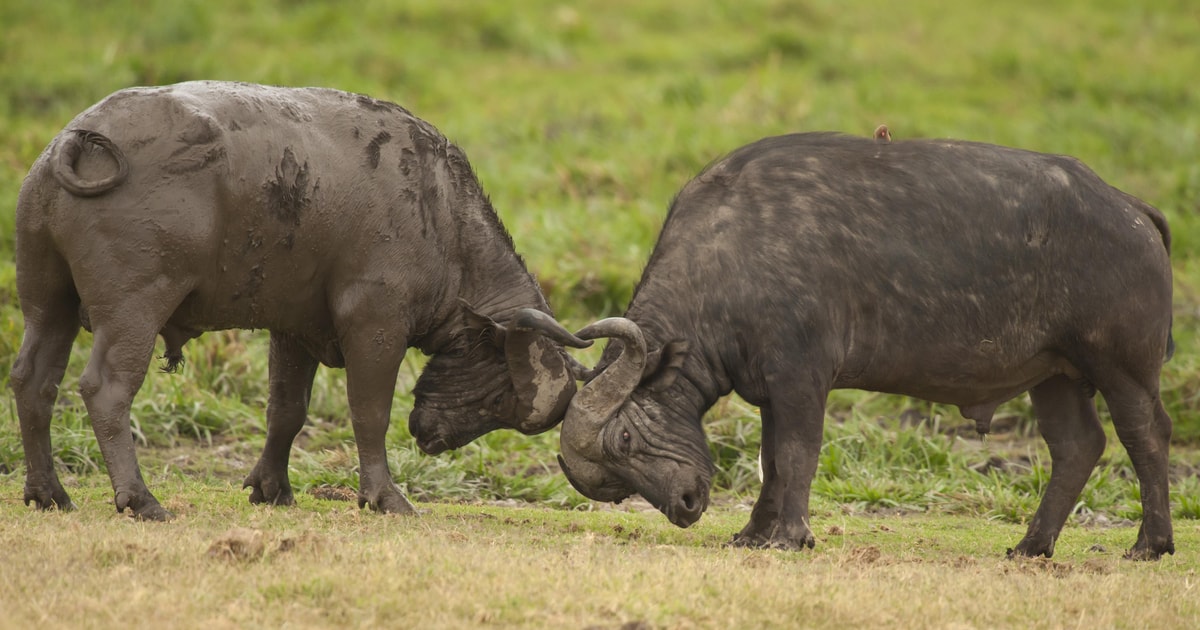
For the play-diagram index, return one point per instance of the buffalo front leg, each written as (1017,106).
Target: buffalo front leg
(121,350)
(1068,422)
(371,368)
(291,370)
(794,416)
(51,323)
(765,515)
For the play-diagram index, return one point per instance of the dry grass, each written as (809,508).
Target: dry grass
(224,564)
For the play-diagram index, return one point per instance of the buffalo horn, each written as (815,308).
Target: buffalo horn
(603,396)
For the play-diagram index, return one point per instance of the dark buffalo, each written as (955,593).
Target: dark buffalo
(344,225)
(956,272)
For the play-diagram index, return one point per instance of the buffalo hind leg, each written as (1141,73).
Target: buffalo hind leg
(291,371)
(51,311)
(794,416)
(371,369)
(1144,428)
(122,348)
(1068,422)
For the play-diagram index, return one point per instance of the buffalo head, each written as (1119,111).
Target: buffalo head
(622,434)
(496,375)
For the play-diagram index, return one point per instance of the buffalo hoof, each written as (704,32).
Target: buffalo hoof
(1013,554)
(269,490)
(1031,548)
(143,506)
(48,498)
(156,513)
(772,532)
(1140,552)
(391,501)
(777,540)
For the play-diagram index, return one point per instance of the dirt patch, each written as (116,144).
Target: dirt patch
(630,534)
(1046,566)
(963,562)
(334,493)
(869,554)
(242,544)
(306,541)
(238,545)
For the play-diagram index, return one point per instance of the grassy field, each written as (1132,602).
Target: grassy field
(225,564)
(582,120)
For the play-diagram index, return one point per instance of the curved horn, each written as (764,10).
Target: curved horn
(67,150)
(533,320)
(543,378)
(607,391)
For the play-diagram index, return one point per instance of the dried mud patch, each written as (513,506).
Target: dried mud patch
(305,541)
(239,544)
(1052,568)
(867,555)
(243,544)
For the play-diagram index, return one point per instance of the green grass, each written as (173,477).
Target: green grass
(583,120)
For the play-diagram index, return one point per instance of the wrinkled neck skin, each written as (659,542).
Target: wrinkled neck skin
(702,379)
(481,265)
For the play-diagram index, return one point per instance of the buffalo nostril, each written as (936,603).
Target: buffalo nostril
(689,502)
(434,447)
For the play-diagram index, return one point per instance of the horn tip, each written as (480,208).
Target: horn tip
(533,320)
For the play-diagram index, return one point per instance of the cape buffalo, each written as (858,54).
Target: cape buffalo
(955,272)
(344,225)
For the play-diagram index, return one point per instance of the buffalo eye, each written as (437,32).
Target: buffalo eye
(626,441)
(618,441)
(498,399)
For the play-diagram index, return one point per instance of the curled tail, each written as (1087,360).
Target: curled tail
(67,150)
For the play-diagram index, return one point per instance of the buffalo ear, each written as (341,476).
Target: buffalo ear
(663,364)
(480,327)
(541,371)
